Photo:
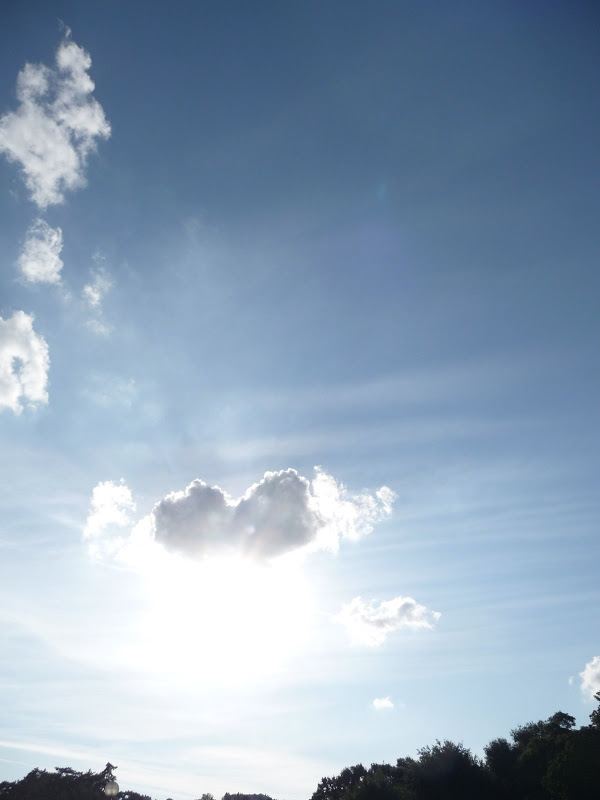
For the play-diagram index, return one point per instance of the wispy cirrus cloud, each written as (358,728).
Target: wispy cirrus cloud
(24,363)
(93,294)
(590,677)
(56,126)
(94,291)
(282,513)
(109,390)
(40,260)
(371,623)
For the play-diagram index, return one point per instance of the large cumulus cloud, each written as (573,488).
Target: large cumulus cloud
(56,125)
(282,513)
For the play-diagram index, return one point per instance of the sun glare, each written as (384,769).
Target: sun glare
(229,621)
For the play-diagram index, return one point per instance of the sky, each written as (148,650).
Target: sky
(299,383)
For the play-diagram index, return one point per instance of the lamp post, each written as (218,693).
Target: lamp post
(112,788)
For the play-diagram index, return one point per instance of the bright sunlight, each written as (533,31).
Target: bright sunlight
(229,621)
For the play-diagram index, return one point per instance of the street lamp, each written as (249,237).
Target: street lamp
(111,789)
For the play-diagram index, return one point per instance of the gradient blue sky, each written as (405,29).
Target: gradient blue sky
(356,235)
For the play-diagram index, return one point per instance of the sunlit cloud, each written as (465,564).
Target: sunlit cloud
(226,574)
(590,677)
(24,363)
(282,513)
(370,624)
(230,620)
(110,516)
(40,260)
(56,125)
(382,703)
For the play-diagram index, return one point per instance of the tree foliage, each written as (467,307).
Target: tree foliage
(63,784)
(546,760)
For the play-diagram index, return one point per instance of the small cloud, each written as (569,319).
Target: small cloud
(109,518)
(56,125)
(24,363)
(40,260)
(281,514)
(382,703)
(93,294)
(571,680)
(370,624)
(386,497)
(590,677)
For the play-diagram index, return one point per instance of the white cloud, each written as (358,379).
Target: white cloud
(382,703)
(106,528)
(93,292)
(590,677)
(282,513)
(24,363)
(370,624)
(56,125)
(40,260)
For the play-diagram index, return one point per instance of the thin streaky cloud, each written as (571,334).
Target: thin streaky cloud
(111,391)
(369,436)
(417,386)
(51,750)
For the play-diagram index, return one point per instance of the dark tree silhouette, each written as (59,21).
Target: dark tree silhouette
(337,788)
(448,770)
(595,715)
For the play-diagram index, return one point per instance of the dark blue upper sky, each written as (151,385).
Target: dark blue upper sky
(361,235)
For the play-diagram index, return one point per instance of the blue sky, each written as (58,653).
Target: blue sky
(243,239)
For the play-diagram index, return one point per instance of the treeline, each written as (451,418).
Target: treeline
(238,796)
(68,784)
(64,784)
(546,760)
